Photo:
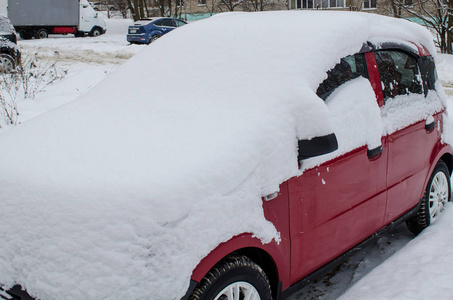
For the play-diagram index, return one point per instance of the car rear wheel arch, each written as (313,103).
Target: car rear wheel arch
(448,160)
(431,206)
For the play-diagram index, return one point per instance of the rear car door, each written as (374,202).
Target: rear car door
(410,121)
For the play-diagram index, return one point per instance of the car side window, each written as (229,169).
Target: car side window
(179,23)
(158,23)
(399,73)
(350,67)
(168,23)
(430,71)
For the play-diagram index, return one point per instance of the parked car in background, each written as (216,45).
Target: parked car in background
(146,31)
(9,52)
(237,158)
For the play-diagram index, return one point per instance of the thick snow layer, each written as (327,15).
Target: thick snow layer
(356,119)
(121,193)
(421,270)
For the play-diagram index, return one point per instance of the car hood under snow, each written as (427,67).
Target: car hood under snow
(120,193)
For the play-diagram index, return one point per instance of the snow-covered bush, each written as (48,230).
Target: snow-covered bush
(34,75)
(29,78)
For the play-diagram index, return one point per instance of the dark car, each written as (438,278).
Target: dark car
(9,53)
(146,31)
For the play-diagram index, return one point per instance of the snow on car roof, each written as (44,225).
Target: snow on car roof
(145,21)
(120,193)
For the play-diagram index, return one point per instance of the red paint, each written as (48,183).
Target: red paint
(63,29)
(276,211)
(373,75)
(329,209)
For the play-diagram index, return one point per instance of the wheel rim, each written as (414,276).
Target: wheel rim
(96,33)
(240,290)
(6,65)
(438,195)
(42,34)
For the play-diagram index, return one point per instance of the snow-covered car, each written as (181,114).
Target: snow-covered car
(9,52)
(145,31)
(230,160)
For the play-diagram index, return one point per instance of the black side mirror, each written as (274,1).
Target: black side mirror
(317,146)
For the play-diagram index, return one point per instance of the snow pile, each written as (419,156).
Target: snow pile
(406,110)
(421,270)
(121,193)
(356,119)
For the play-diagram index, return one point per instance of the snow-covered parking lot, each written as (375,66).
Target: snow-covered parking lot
(397,267)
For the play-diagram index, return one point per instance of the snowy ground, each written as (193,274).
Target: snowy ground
(368,274)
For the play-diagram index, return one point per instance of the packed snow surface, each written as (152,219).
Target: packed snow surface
(421,270)
(120,193)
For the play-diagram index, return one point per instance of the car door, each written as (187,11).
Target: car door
(410,120)
(168,25)
(336,205)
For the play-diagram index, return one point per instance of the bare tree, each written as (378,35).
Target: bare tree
(230,4)
(137,8)
(122,7)
(435,14)
(255,5)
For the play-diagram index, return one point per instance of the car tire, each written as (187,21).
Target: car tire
(95,32)
(231,275)
(7,63)
(41,34)
(154,38)
(435,198)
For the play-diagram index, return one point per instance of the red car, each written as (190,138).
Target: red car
(406,178)
(247,169)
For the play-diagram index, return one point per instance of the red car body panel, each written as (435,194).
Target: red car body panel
(327,221)
(331,208)
(276,211)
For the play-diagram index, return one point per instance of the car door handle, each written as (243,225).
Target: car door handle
(429,127)
(374,153)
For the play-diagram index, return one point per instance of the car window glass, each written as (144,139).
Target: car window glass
(399,73)
(168,23)
(179,23)
(350,67)
(431,73)
(158,23)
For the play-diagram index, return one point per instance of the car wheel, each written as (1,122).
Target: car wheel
(7,63)
(95,32)
(234,278)
(153,38)
(41,34)
(434,200)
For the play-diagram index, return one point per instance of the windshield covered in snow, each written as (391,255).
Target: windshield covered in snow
(5,25)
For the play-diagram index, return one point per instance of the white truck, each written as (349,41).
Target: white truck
(38,19)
